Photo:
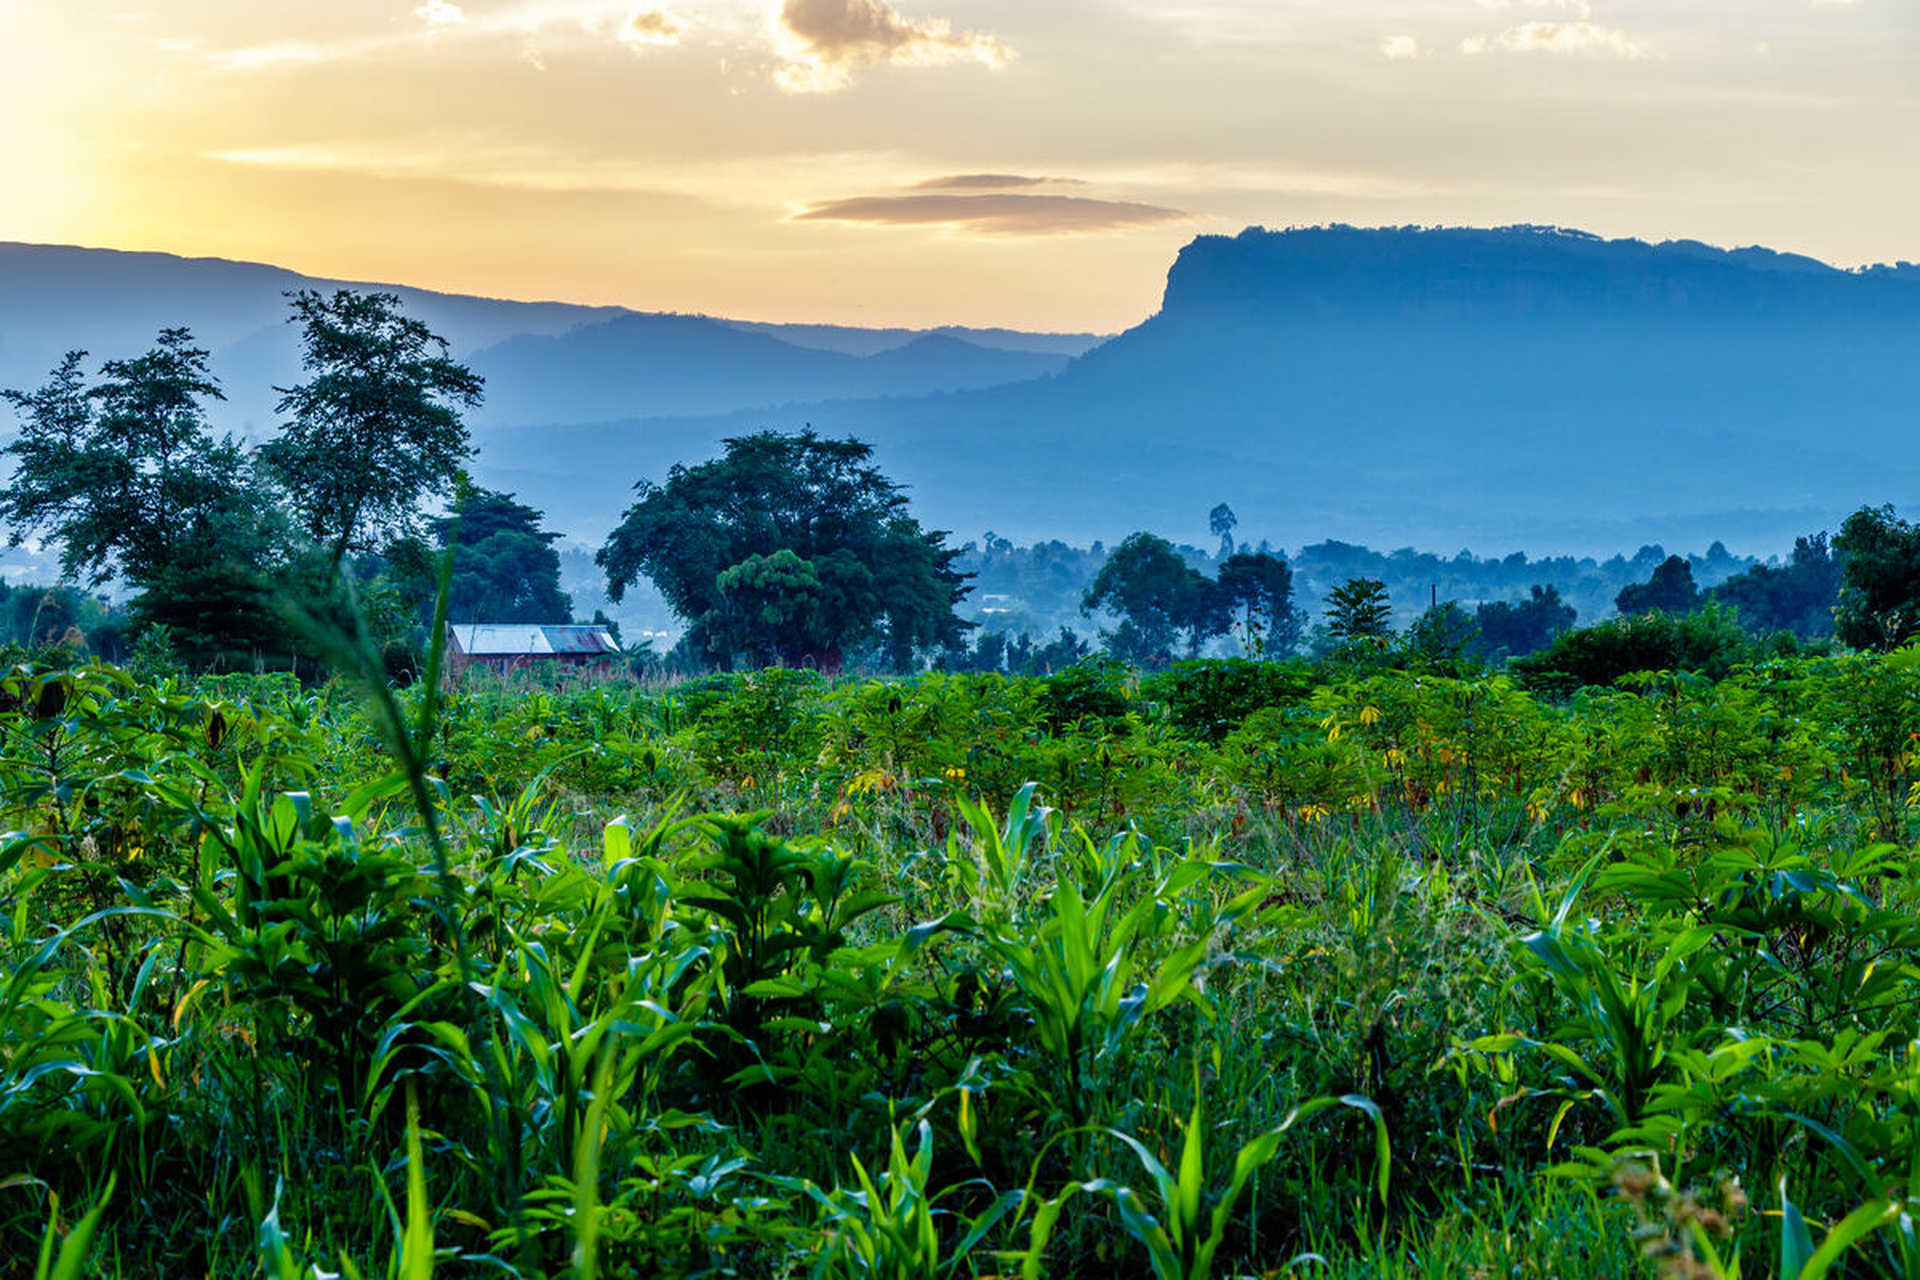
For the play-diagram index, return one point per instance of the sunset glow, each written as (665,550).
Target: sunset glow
(928,161)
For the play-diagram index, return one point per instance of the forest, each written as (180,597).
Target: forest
(1268,922)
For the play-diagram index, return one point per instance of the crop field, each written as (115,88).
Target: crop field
(1237,969)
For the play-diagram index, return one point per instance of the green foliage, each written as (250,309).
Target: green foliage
(128,478)
(1442,636)
(1797,597)
(1214,972)
(1209,698)
(1515,630)
(1164,603)
(504,567)
(375,428)
(822,554)
(1670,590)
(1160,601)
(1257,591)
(1708,640)
(1359,615)
(1879,605)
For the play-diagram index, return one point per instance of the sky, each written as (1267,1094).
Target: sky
(1031,163)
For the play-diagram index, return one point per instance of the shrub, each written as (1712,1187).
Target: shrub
(1708,641)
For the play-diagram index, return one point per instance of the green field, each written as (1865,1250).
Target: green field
(1238,969)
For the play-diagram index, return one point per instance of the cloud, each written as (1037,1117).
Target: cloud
(649,27)
(1001,214)
(623,21)
(991,182)
(1561,38)
(1578,8)
(440,13)
(280,53)
(1400,47)
(823,42)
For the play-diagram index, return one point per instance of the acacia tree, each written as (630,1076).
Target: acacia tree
(857,570)
(1258,589)
(375,428)
(128,478)
(1161,600)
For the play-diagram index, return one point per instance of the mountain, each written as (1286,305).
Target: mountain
(1516,387)
(675,365)
(1521,387)
(868,342)
(54,298)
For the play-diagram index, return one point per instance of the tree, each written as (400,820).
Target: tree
(1442,635)
(375,429)
(504,568)
(859,571)
(1258,590)
(1879,604)
(1359,613)
(128,478)
(1670,590)
(1159,598)
(1798,596)
(1221,523)
(1707,640)
(1517,629)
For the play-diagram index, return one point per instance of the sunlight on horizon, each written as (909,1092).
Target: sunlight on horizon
(969,161)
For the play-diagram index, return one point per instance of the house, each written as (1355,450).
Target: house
(528,647)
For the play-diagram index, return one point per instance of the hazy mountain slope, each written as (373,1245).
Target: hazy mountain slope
(867,342)
(647,365)
(1515,387)
(54,298)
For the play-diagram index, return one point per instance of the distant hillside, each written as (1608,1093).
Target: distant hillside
(1513,387)
(54,298)
(658,365)
(868,342)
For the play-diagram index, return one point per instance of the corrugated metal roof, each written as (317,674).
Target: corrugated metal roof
(521,641)
(580,640)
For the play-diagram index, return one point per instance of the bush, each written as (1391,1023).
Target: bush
(1094,688)
(1209,698)
(1708,641)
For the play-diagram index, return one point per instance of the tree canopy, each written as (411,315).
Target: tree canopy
(127,476)
(504,566)
(1879,605)
(1517,628)
(1670,590)
(1359,613)
(1798,596)
(1161,601)
(858,569)
(1256,589)
(375,428)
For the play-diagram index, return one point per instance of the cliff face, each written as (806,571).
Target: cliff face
(1512,273)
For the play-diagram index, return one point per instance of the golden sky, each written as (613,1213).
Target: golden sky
(1034,163)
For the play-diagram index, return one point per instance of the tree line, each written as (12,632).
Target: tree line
(788,549)
(233,553)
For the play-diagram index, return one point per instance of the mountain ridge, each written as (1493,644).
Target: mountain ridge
(1452,385)
(112,302)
